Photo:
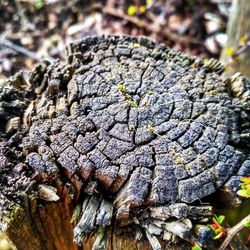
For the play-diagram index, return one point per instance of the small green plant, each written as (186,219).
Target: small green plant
(133,103)
(196,246)
(247,223)
(39,4)
(212,92)
(219,231)
(245,187)
(216,227)
(135,45)
(150,128)
(128,98)
(121,88)
(206,62)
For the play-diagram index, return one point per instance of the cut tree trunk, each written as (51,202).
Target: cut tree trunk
(49,227)
(238,31)
(98,150)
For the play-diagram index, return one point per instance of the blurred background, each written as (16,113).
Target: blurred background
(34,29)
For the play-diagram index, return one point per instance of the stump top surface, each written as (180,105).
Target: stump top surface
(144,123)
(126,124)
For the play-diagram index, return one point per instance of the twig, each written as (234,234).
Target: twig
(231,232)
(7,43)
(222,1)
(149,27)
(241,50)
(24,20)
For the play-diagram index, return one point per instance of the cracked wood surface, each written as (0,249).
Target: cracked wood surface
(131,130)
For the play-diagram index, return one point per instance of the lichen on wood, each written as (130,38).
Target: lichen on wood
(119,142)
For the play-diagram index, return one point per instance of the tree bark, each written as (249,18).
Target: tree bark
(238,29)
(49,227)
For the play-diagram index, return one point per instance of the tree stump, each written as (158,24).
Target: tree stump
(121,147)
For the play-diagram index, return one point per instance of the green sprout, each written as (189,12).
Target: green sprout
(216,227)
(121,88)
(128,98)
(212,92)
(245,187)
(206,62)
(39,4)
(133,103)
(150,128)
(196,246)
(135,45)
(247,223)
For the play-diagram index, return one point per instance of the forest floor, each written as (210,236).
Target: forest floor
(34,29)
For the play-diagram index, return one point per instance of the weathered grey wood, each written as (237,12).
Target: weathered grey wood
(120,145)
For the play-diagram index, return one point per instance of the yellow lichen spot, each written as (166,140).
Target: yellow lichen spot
(206,62)
(212,92)
(178,160)
(135,45)
(127,96)
(121,88)
(172,153)
(150,92)
(133,103)
(142,9)
(230,51)
(243,40)
(150,128)
(131,10)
